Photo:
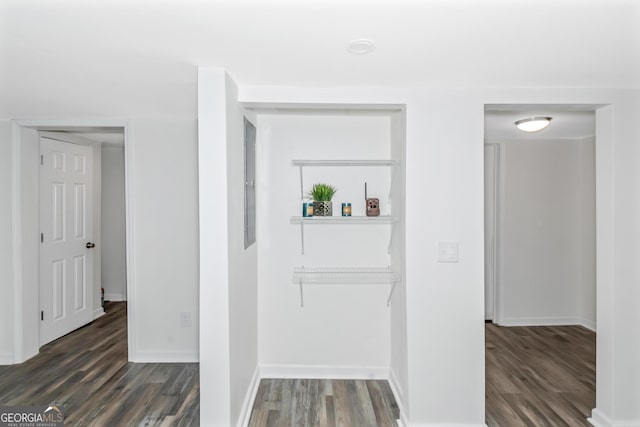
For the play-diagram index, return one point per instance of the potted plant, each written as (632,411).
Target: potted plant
(322,195)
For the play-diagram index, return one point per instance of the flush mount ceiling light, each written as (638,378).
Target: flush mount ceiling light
(361,46)
(533,124)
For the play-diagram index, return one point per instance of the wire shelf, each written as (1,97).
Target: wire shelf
(382,219)
(345,275)
(382,162)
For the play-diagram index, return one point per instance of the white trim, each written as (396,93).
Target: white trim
(98,312)
(129,204)
(167,357)
(497,309)
(599,419)
(548,321)
(250,397)
(6,359)
(116,297)
(498,191)
(16,249)
(325,372)
(397,393)
(70,138)
(444,425)
(589,324)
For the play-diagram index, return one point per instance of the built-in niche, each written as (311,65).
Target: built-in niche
(328,285)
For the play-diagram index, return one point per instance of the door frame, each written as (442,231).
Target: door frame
(604,173)
(496,314)
(23,251)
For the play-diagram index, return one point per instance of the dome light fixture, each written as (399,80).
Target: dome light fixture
(533,124)
(361,46)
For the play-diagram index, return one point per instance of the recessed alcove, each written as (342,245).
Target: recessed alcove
(324,282)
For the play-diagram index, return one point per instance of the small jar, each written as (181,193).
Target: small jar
(307,209)
(346,209)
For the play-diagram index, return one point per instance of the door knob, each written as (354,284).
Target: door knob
(90,245)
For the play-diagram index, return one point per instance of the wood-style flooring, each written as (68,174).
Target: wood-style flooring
(86,374)
(324,403)
(540,376)
(536,376)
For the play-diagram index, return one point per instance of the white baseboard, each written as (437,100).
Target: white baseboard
(548,321)
(247,405)
(445,425)
(98,312)
(397,393)
(114,297)
(6,359)
(169,357)
(589,324)
(599,419)
(325,372)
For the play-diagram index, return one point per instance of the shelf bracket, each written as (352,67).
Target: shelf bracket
(394,172)
(302,295)
(301,185)
(393,287)
(393,229)
(302,238)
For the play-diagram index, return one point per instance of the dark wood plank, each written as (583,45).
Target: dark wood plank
(322,403)
(539,375)
(380,409)
(86,374)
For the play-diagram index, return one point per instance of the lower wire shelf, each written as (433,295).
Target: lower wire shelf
(345,275)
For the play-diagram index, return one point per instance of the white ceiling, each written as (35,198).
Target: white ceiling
(144,53)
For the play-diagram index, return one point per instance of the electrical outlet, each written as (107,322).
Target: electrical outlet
(185,319)
(448,252)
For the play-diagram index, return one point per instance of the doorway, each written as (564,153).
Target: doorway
(540,222)
(67,249)
(26,238)
(540,264)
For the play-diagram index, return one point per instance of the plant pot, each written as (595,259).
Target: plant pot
(323,208)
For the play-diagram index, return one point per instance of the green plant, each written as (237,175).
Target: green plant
(322,192)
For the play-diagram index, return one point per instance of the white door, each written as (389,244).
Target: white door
(66,226)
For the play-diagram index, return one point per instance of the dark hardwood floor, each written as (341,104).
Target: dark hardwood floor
(536,376)
(324,403)
(86,374)
(540,376)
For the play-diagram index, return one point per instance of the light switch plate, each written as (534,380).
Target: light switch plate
(448,252)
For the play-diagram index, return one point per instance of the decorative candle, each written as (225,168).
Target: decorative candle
(346,209)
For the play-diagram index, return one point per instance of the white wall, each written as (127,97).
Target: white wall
(243,268)
(445,304)
(547,233)
(618,186)
(445,301)
(166,233)
(228,272)
(341,328)
(27,313)
(165,266)
(444,202)
(6,256)
(398,311)
(587,233)
(113,223)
